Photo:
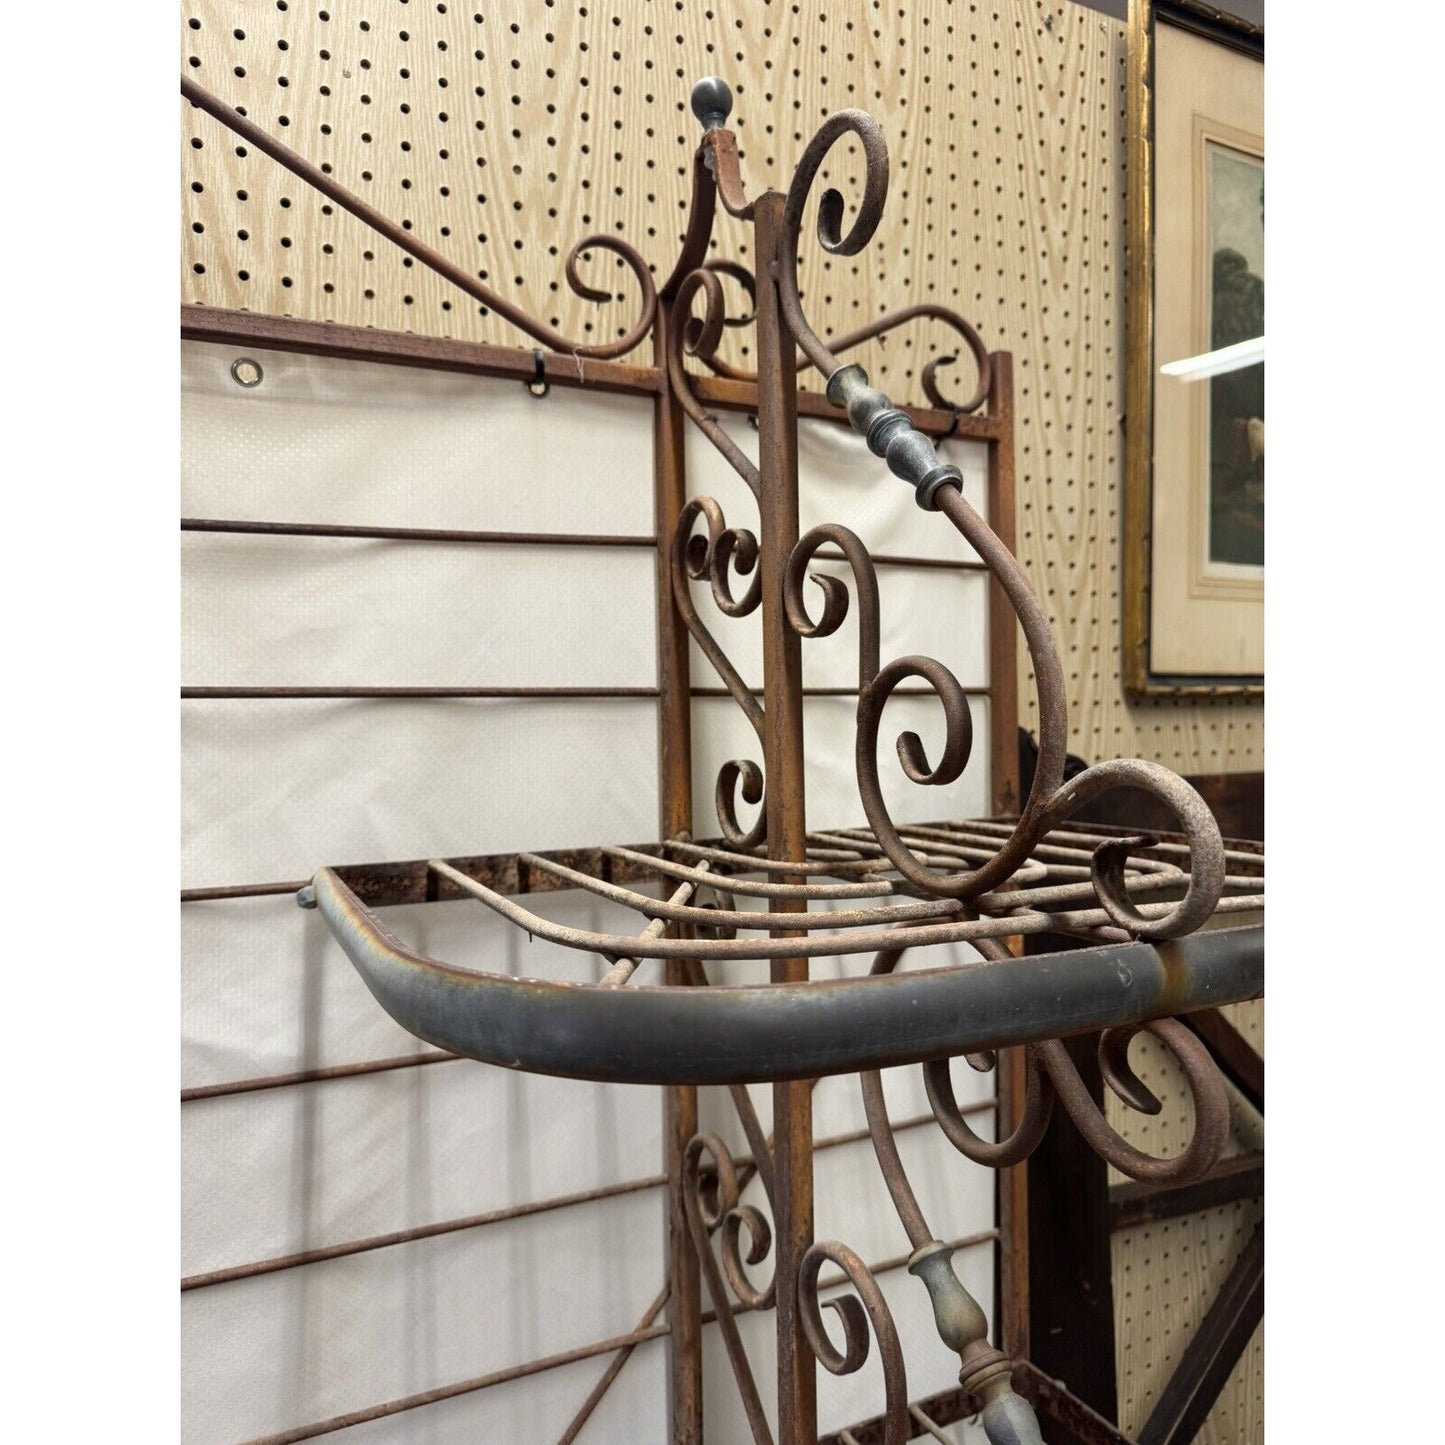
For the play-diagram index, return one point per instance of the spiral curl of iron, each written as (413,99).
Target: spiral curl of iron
(634,262)
(855,1312)
(1051,1074)
(693,335)
(715,558)
(724,1215)
(1050,801)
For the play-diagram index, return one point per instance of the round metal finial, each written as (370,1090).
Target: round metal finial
(712,102)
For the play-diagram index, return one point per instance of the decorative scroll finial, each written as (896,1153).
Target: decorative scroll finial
(712,102)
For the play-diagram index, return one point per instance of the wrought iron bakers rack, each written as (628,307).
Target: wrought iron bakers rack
(1137,905)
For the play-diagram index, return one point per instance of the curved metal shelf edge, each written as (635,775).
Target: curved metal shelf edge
(760,1032)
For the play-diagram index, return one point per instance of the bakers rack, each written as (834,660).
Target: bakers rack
(1137,905)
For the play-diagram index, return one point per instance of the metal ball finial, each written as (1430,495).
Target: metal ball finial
(712,102)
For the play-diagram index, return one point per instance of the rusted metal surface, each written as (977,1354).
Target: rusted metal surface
(315,1076)
(411,534)
(405,348)
(459,276)
(1132,901)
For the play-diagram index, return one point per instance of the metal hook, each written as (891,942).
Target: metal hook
(538,385)
(952,426)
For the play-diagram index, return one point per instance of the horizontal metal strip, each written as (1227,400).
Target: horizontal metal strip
(307,694)
(904,691)
(891,559)
(315,1076)
(412,534)
(240,527)
(364,343)
(496,694)
(498,1216)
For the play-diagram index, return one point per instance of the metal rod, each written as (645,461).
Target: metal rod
(245,329)
(412,534)
(786,825)
(625,967)
(315,1076)
(903,691)
(883,559)
(220,325)
(295,694)
(411,1236)
(568,694)
(399,236)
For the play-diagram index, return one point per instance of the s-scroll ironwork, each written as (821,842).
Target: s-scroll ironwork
(723,1211)
(695,558)
(938,487)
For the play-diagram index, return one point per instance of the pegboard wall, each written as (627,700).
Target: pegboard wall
(500,132)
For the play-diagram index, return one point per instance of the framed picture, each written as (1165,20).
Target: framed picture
(1194,430)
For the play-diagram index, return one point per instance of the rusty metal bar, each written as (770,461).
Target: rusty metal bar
(413,881)
(886,559)
(417,1232)
(307,694)
(462,1387)
(230,527)
(1003,679)
(682,1278)
(821,691)
(748,1033)
(433,260)
(1236,1057)
(556,694)
(629,1340)
(625,967)
(786,826)
(221,326)
(731,395)
(315,1076)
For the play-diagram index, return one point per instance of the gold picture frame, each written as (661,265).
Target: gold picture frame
(1193,609)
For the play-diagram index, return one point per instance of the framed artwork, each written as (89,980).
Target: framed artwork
(1194,431)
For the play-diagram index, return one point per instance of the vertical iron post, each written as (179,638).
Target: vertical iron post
(674,790)
(783,754)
